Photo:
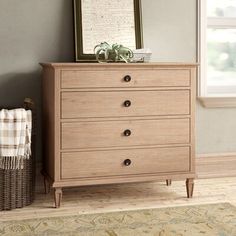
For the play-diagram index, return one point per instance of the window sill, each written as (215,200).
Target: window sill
(217,102)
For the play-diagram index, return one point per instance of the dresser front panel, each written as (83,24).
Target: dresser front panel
(110,163)
(77,135)
(111,78)
(125,103)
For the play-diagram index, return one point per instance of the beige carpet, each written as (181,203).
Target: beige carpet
(206,220)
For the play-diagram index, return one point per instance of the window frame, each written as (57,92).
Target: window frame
(203,23)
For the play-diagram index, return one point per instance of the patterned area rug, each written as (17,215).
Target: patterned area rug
(208,220)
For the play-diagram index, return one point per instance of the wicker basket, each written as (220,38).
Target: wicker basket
(17,187)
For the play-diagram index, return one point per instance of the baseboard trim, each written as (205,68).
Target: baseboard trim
(216,165)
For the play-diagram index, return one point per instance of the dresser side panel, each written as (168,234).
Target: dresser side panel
(48,102)
(193,114)
(57,124)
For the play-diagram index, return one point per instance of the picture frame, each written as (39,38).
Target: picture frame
(80,54)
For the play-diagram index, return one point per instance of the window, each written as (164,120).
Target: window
(217,44)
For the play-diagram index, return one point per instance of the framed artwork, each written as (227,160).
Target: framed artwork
(96,21)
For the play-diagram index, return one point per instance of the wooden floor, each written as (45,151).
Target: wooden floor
(126,197)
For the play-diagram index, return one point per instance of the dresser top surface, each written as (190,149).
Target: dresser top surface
(119,65)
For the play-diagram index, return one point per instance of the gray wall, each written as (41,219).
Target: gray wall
(170,31)
(31,32)
(34,31)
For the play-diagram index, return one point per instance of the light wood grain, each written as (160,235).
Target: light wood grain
(118,66)
(113,78)
(123,197)
(108,163)
(88,116)
(111,104)
(57,124)
(57,197)
(103,180)
(193,114)
(190,187)
(110,133)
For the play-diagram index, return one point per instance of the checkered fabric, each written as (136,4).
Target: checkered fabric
(15,137)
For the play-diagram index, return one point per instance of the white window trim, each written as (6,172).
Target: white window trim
(214,100)
(223,23)
(201,57)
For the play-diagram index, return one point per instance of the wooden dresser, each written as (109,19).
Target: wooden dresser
(118,123)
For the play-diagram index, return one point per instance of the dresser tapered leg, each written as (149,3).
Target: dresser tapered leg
(190,187)
(57,197)
(168,182)
(47,186)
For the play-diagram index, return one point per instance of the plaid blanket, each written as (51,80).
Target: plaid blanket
(15,137)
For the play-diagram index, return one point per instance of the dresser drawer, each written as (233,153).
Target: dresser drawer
(124,103)
(124,78)
(125,162)
(124,133)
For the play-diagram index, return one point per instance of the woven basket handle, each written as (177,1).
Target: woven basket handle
(29,103)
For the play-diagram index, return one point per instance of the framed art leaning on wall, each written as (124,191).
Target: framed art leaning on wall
(97,21)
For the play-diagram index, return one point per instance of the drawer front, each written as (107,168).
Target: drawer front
(125,133)
(125,162)
(137,78)
(131,103)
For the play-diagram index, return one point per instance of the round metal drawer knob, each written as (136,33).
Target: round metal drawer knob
(127,103)
(127,78)
(127,162)
(127,132)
